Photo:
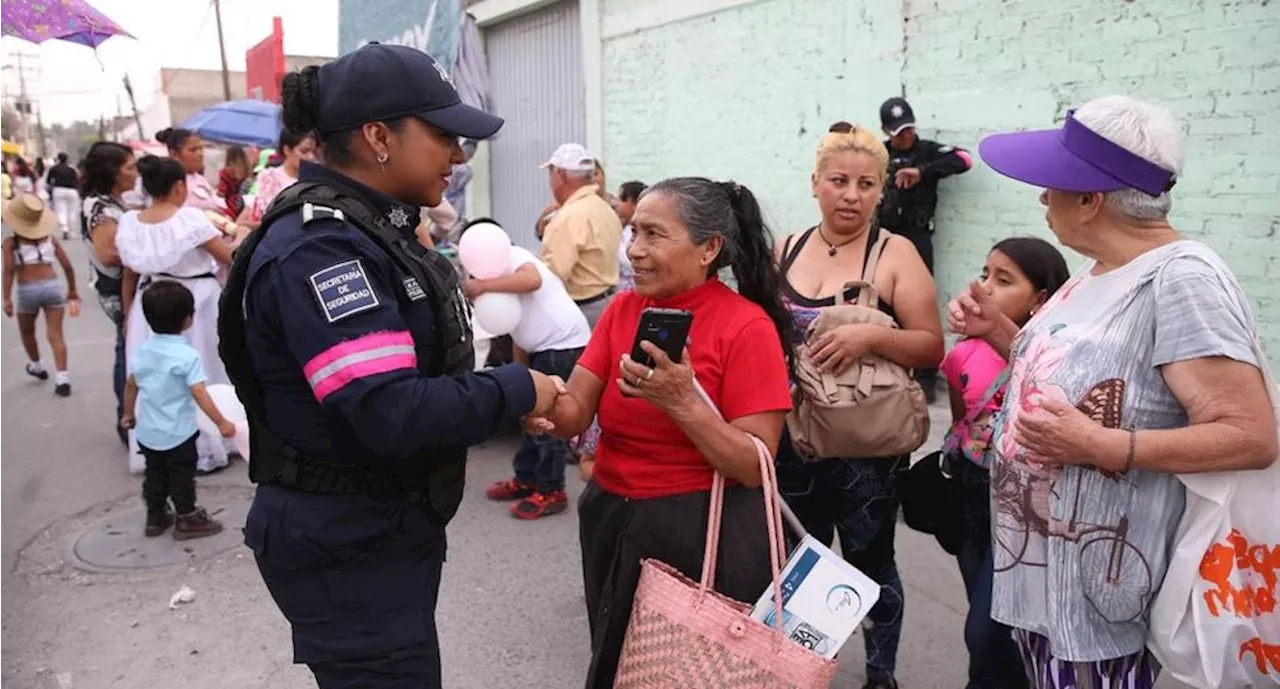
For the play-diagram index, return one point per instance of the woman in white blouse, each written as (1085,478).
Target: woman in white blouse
(170,241)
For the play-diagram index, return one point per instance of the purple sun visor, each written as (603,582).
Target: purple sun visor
(1074,158)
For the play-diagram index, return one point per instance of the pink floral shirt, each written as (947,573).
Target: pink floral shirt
(202,195)
(271,182)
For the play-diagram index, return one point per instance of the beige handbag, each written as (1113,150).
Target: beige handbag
(875,408)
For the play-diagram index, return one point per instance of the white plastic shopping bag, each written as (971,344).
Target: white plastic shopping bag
(1215,623)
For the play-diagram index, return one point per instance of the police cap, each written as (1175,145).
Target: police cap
(383,82)
(896,115)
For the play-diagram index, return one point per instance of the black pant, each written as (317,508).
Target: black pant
(170,475)
(858,498)
(358,577)
(616,533)
(118,380)
(994,661)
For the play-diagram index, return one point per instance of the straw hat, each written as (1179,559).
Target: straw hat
(28,217)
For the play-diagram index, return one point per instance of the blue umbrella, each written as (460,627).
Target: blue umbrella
(251,122)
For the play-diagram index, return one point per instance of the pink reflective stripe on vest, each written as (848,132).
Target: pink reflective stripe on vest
(367,355)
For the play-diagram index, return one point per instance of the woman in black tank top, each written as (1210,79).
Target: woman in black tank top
(857,496)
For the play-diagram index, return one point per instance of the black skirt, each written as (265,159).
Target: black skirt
(617,533)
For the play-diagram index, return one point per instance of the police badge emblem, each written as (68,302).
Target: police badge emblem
(398,217)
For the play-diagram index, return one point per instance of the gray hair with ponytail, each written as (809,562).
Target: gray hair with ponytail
(729,210)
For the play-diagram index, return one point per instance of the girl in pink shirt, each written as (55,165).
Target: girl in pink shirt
(1021,273)
(296,148)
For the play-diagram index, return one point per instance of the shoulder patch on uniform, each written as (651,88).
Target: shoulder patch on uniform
(413,290)
(311,211)
(946,149)
(343,289)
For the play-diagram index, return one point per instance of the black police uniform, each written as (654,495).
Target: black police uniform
(349,344)
(341,340)
(909,212)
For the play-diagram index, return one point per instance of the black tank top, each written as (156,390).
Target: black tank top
(850,296)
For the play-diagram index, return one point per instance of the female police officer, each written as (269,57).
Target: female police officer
(349,345)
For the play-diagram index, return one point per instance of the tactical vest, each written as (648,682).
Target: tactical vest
(272,461)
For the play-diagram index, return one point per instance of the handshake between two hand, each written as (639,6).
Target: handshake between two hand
(548,390)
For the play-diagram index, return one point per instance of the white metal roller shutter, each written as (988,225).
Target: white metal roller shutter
(535,68)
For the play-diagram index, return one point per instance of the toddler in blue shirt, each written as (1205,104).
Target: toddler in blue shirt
(169,373)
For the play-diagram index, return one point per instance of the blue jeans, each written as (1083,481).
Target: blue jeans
(994,662)
(541,458)
(118,380)
(859,499)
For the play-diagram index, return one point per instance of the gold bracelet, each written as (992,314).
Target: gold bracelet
(1133,447)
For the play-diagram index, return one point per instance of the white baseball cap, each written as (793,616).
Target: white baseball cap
(571,157)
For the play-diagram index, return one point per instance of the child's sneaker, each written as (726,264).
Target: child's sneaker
(63,384)
(510,489)
(35,370)
(540,505)
(158,521)
(198,524)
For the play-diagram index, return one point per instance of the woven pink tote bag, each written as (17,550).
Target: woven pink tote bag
(684,635)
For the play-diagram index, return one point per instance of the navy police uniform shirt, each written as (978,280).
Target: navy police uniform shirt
(910,211)
(340,339)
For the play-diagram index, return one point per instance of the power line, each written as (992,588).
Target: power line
(208,11)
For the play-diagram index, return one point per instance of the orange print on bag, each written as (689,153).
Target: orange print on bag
(1264,655)
(1257,566)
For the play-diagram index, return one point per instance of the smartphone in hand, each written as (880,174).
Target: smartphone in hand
(667,328)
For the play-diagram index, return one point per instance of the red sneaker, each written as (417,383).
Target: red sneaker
(540,505)
(510,489)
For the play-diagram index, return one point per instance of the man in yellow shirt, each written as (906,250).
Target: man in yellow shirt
(580,243)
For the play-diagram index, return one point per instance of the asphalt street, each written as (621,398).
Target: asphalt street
(511,605)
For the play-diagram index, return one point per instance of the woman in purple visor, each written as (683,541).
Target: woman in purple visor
(1141,367)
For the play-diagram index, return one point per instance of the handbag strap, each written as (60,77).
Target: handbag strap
(773,518)
(989,395)
(867,293)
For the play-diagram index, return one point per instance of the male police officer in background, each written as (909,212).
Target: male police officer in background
(911,194)
(349,344)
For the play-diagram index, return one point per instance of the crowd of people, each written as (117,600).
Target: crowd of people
(1077,398)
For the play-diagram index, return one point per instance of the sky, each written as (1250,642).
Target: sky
(71,83)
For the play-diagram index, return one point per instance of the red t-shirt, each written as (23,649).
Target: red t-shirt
(736,354)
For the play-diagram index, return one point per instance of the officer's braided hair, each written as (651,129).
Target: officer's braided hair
(843,136)
(300,111)
(730,211)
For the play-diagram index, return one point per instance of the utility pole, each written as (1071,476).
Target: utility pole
(137,119)
(222,48)
(40,132)
(24,103)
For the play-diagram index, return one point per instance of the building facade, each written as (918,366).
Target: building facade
(188,91)
(744,89)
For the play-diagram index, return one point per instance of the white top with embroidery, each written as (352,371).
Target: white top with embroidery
(171,247)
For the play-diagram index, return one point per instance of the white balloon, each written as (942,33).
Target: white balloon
(498,313)
(485,250)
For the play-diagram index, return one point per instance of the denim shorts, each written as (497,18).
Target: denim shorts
(30,297)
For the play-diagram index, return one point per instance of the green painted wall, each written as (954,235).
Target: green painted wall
(746,92)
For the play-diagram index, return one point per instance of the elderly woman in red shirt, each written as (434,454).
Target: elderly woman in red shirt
(661,443)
